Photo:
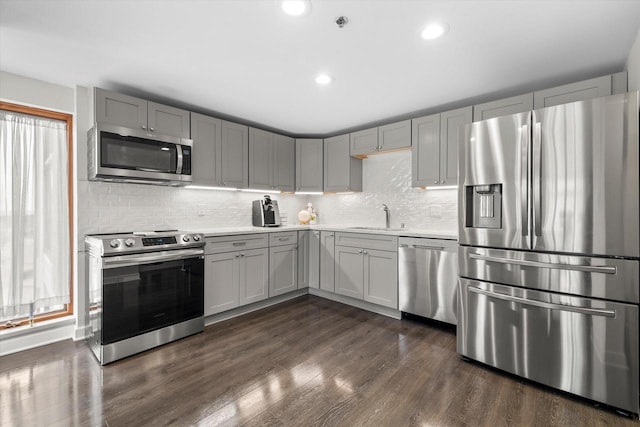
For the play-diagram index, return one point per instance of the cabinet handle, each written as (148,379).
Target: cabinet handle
(242,254)
(239,243)
(442,182)
(283,239)
(330,234)
(360,251)
(435,182)
(151,129)
(144,127)
(365,252)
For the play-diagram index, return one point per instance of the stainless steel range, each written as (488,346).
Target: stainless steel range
(145,289)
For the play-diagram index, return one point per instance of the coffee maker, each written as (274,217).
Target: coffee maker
(266,213)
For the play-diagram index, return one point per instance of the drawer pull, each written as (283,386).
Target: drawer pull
(239,243)
(542,304)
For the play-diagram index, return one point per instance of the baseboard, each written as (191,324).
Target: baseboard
(27,337)
(81,333)
(385,311)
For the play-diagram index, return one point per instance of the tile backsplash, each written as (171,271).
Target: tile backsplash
(112,207)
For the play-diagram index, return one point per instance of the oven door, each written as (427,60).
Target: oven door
(139,295)
(585,346)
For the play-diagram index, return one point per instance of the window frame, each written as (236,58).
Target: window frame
(68,118)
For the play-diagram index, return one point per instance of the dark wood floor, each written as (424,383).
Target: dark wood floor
(306,362)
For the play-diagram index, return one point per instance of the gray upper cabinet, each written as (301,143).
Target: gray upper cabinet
(503,107)
(271,161)
(309,165)
(363,142)
(131,112)
(579,91)
(206,133)
(435,147)
(167,120)
(394,136)
(425,156)
(234,155)
(341,171)
(390,137)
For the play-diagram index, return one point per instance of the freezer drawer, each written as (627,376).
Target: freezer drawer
(606,278)
(428,278)
(582,346)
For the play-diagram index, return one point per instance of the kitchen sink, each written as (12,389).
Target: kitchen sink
(376,228)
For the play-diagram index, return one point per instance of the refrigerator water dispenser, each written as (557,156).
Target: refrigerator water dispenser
(484,206)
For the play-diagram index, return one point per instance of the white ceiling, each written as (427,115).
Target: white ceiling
(246,59)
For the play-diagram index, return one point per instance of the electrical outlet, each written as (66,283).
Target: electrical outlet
(200,210)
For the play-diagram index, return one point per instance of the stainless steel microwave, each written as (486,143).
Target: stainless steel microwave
(121,154)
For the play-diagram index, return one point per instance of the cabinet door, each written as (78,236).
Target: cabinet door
(363,142)
(381,277)
(395,136)
(309,165)
(254,274)
(341,171)
(260,159)
(283,269)
(327,261)
(303,258)
(121,110)
(425,151)
(314,259)
(349,271)
(503,107)
(206,134)
(284,163)
(222,282)
(578,91)
(234,155)
(166,120)
(451,125)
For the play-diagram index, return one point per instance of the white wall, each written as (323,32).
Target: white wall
(633,65)
(387,179)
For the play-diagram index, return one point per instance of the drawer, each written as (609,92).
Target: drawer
(219,244)
(283,238)
(369,241)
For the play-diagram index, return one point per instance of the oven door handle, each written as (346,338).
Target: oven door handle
(150,258)
(543,304)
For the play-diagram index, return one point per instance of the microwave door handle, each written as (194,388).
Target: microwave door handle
(543,304)
(179,165)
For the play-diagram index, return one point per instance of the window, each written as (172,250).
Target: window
(36,211)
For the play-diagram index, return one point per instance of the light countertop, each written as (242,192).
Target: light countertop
(407,232)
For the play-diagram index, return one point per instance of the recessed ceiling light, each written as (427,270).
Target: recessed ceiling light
(323,79)
(433,31)
(296,7)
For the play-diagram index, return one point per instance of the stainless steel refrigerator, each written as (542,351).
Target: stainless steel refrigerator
(549,253)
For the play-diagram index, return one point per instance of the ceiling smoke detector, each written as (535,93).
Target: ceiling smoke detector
(341,21)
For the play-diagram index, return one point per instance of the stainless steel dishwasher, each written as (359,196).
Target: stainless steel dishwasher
(428,278)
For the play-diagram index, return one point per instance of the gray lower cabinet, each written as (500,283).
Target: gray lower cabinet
(308,259)
(136,113)
(283,269)
(233,279)
(435,147)
(206,133)
(367,268)
(341,171)
(309,165)
(234,155)
(327,261)
(271,161)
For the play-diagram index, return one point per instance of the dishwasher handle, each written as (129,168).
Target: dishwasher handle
(413,246)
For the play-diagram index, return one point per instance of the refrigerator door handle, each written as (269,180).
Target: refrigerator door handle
(537,160)
(542,304)
(604,269)
(524,178)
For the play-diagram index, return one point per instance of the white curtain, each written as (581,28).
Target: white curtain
(34,214)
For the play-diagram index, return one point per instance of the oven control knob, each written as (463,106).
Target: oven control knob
(115,243)
(196,237)
(185,238)
(129,242)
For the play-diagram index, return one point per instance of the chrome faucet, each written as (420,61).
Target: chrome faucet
(387,213)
